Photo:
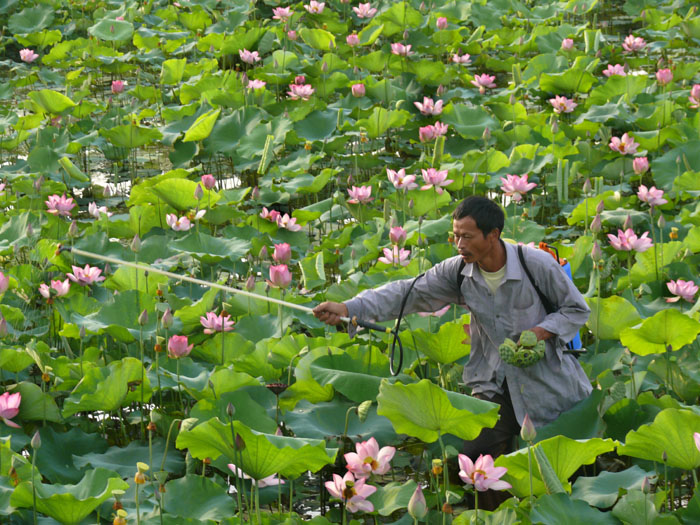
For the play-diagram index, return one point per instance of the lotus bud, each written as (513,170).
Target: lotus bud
(555,127)
(263,252)
(437,466)
(291,34)
(107,191)
(230,409)
(167,320)
(30,230)
(528,432)
(143,317)
(440,90)
(596,225)
(38,183)
(324,67)
(255,194)
(674,233)
(405,35)
(250,283)
(664,457)
(353,254)
(628,223)
(646,485)
(587,187)
(596,253)
(239,443)
(511,99)
(417,506)
(82,332)
(486,135)
(198,192)
(661,222)
(73,229)
(36,441)
(421,7)
(363,410)
(135,244)
(410,204)
(600,207)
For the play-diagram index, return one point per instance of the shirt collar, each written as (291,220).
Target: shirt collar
(513,268)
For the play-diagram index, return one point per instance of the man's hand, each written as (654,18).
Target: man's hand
(541,333)
(330,312)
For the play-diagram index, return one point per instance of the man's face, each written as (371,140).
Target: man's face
(470,241)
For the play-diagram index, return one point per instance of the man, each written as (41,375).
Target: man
(503,303)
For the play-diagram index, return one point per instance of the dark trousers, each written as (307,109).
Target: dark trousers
(495,441)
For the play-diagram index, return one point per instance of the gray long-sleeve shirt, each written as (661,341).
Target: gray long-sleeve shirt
(543,390)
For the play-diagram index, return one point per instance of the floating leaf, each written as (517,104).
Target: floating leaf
(610,315)
(112,30)
(198,498)
(556,509)
(51,101)
(667,328)
(202,127)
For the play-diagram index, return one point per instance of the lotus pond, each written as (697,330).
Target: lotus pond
(305,152)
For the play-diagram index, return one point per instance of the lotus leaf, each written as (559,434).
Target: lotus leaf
(667,329)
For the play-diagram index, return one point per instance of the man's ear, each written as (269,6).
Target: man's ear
(495,234)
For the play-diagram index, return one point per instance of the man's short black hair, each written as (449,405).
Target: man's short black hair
(486,214)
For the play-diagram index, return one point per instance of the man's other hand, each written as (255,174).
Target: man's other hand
(541,333)
(330,312)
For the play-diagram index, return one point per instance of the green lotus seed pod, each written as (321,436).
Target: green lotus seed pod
(528,339)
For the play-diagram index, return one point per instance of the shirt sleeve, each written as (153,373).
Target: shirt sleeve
(571,309)
(433,290)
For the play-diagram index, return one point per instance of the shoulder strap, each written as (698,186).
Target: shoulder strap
(548,306)
(460,277)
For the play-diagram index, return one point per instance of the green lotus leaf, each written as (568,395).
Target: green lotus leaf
(55,461)
(610,315)
(672,433)
(179,193)
(639,507)
(444,347)
(666,328)
(392,496)
(198,498)
(51,101)
(229,130)
(554,509)
(263,455)
(31,19)
(70,504)
(130,136)
(318,125)
(109,387)
(122,460)
(381,120)
(398,17)
(112,30)
(603,490)
(469,122)
(426,411)
(312,271)
(201,128)
(317,38)
(36,405)
(211,249)
(645,269)
(565,455)
(129,278)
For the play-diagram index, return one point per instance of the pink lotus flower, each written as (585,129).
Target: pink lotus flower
(365,10)
(441,23)
(395,256)
(60,205)
(292,35)
(117,86)
(97,211)
(282,13)
(696,437)
(567,44)
(664,76)
(249,57)
(624,145)
(120,18)
(282,253)
(628,241)
(464,59)
(482,474)
(369,459)
(58,288)
(27,55)
(640,165)
(288,223)
(617,69)
(435,179)
(213,323)
(515,186)
(484,82)
(401,50)
(400,180)
(358,90)
(682,290)
(426,133)
(652,196)
(632,44)
(300,92)
(562,104)
(428,107)
(695,96)
(4,282)
(397,235)
(280,276)
(85,276)
(177,346)
(271,215)
(360,195)
(417,506)
(256,84)
(179,224)
(352,40)
(353,492)
(208,181)
(315,7)
(9,408)
(270,481)
(300,80)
